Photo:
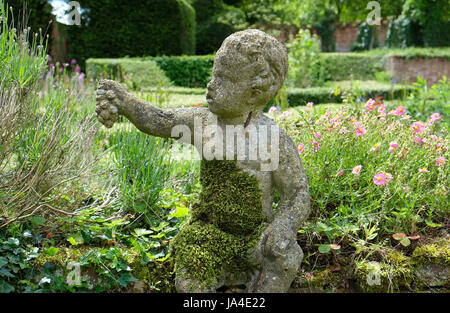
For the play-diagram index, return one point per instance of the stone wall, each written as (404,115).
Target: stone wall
(405,71)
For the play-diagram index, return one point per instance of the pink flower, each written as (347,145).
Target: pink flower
(393,144)
(400,110)
(301,123)
(381,109)
(340,173)
(77,69)
(379,179)
(423,170)
(317,135)
(356,170)
(286,113)
(405,189)
(435,117)
(388,177)
(300,148)
(360,131)
(383,251)
(326,115)
(343,130)
(309,105)
(406,117)
(418,140)
(440,161)
(272,109)
(417,127)
(316,145)
(370,105)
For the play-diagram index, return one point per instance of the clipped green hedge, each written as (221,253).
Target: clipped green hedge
(134,28)
(142,74)
(320,95)
(346,66)
(411,53)
(186,71)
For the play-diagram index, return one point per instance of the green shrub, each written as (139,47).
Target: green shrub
(121,28)
(364,38)
(186,71)
(305,61)
(45,142)
(141,73)
(344,66)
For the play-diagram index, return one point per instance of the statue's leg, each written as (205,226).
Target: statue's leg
(277,272)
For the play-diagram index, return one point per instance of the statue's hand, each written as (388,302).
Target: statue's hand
(277,240)
(110,96)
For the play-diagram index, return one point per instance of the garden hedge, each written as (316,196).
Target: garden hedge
(186,71)
(346,66)
(195,71)
(142,74)
(320,95)
(117,28)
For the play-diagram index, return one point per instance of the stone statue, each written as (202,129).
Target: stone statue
(234,237)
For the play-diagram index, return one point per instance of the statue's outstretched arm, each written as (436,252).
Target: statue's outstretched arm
(113,100)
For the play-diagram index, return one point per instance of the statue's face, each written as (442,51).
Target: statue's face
(229,90)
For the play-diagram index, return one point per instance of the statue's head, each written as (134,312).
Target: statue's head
(249,70)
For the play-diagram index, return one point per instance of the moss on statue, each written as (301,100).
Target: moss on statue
(224,226)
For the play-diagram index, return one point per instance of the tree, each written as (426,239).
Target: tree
(215,21)
(118,28)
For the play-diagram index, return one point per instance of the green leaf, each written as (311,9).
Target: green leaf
(38,220)
(126,278)
(405,241)
(72,241)
(3,261)
(180,211)
(51,251)
(5,272)
(431,224)
(143,232)
(324,248)
(5,287)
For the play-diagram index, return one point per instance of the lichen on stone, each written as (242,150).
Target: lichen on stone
(223,227)
(434,253)
(395,272)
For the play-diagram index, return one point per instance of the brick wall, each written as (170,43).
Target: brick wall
(346,34)
(405,71)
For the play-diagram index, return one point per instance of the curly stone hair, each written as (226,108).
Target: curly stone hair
(254,50)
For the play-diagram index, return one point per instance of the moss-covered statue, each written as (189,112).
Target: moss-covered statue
(234,237)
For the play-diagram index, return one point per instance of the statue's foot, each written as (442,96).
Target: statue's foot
(277,274)
(191,285)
